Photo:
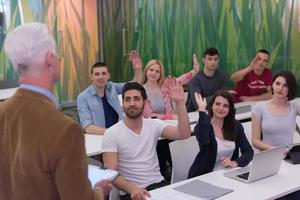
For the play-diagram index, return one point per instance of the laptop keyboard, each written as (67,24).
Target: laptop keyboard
(244,175)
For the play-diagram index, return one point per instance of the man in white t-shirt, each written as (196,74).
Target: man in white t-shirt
(130,145)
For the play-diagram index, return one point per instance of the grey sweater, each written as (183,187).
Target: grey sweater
(206,86)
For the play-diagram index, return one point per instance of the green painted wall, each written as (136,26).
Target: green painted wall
(171,30)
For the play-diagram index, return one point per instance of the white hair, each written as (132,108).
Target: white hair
(27,46)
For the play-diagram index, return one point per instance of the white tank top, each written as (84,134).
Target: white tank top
(225,148)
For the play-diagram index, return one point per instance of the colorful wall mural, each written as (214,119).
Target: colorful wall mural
(170,30)
(74,25)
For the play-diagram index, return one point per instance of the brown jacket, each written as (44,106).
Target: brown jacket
(42,153)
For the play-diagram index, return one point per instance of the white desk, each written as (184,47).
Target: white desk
(93,144)
(6,93)
(193,118)
(245,115)
(285,182)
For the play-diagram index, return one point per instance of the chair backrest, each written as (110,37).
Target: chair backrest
(183,153)
(248,130)
(5,84)
(114,194)
(69,108)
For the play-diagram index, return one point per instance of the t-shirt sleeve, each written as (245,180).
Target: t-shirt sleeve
(109,142)
(295,107)
(257,109)
(159,127)
(298,108)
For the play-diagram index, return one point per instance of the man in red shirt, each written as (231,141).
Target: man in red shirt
(253,82)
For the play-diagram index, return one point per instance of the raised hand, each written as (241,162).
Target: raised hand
(201,102)
(175,89)
(196,65)
(135,59)
(253,62)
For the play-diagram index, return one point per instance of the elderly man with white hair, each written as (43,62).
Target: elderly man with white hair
(42,150)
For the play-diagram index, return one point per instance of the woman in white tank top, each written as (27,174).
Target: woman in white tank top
(220,136)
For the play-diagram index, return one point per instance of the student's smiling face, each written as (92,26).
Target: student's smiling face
(133,104)
(220,108)
(100,76)
(154,73)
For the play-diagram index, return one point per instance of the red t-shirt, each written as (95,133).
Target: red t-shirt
(253,84)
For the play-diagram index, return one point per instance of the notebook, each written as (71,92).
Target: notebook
(194,190)
(96,174)
(264,164)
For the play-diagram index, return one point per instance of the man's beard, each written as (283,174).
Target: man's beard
(134,114)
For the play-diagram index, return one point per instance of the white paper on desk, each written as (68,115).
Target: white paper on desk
(202,190)
(171,194)
(96,174)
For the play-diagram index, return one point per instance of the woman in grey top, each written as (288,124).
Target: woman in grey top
(274,121)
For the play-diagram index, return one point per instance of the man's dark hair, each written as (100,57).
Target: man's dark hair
(263,51)
(99,64)
(134,86)
(210,51)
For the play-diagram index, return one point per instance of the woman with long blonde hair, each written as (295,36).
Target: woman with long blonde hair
(156,85)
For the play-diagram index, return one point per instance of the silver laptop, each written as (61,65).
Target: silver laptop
(243,109)
(264,164)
